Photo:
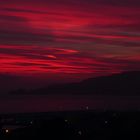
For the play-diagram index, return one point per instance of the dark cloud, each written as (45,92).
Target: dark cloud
(24,38)
(11,18)
(23,10)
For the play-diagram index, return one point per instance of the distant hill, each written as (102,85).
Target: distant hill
(126,83)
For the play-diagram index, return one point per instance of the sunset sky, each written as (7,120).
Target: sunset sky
(69,37)
(66,40)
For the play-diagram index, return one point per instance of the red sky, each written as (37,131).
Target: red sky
(63,41)
(69,37)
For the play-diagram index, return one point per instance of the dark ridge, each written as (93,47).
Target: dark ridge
(126,83)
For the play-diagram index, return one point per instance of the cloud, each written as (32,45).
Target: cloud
(67,36)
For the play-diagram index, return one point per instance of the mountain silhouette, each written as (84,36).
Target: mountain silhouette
(126,83)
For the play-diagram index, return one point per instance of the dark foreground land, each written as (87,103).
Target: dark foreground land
(77,125)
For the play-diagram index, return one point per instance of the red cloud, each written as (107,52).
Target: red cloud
(69,36)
